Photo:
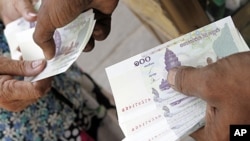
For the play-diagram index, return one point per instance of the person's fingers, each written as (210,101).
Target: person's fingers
(43,34)
(21,68)
(198,135)
(90,45)
(101,31)
(215,123)
(21,90)
(102,26)
(45,40)
(43,85)
(187,80)
(26,9)
(17,105)
(204,83)
(44,31)
(212,82)
(51,17)
(22,105)
(105,6)
(201,134)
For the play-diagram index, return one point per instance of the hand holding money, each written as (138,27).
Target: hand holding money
(70,40)
(149,109)
(57,13)
(16,95)
(11,10)
(224,85)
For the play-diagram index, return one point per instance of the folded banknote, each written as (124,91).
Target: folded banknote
(70,40)
(148,108)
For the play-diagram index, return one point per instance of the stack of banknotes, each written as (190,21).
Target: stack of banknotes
(70,40)
(148,108)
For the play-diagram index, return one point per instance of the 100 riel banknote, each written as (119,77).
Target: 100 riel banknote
(148,109)
(70,40)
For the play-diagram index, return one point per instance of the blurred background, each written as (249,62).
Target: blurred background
(139,25)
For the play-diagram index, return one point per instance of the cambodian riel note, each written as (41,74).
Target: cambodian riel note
(17,26)
(140,87)
(70,40)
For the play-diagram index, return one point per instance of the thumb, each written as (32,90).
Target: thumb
(187,80)
(43,34)
(45,40)
(26,9)
(21,68)
(106,7)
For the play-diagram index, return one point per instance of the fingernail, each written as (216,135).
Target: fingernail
(171,77)
(36,63)
(32,14)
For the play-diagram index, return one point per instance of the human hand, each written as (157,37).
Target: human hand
(11,10)
(16,95)
(224,85)
(57,13)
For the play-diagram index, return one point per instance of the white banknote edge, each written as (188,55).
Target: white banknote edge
(19,33)
(65,62)
(111,73)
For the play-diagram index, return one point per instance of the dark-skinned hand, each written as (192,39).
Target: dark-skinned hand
(225,86)
(57,13)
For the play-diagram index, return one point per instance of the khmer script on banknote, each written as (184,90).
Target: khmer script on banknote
(148,109)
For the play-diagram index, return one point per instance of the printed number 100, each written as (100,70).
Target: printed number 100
(142,61)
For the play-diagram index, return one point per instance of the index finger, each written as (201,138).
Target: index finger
(22,90)
(43,36)
(27,10)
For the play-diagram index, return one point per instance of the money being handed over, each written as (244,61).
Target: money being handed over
(70,40)
(148,109)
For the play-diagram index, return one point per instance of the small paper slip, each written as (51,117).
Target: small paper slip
(70,40)
(148,108)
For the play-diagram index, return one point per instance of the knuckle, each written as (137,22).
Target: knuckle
(22,67)
(37,38)
(16,68)
(6,94)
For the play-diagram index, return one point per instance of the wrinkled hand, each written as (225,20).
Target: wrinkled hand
(225,86)
(16,95)
(11,10)
(57,13)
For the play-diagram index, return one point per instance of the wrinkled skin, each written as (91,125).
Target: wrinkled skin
(57,13)
(17,95)
(224,85)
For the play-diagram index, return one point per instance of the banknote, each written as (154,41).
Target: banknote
(148,108)
(70,40)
